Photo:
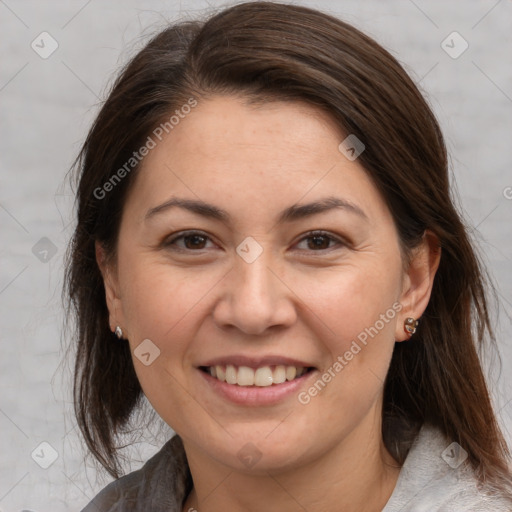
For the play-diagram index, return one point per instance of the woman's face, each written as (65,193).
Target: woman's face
(238,282)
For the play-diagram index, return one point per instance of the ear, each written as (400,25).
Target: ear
(418,281)
(112,295)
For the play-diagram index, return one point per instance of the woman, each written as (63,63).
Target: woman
(267,250)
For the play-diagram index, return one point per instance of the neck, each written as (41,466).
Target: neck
(357,475)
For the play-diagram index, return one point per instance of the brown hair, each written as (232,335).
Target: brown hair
(269,51)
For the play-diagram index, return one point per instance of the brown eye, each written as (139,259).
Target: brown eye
(188,242)
(319,241)
(194,241)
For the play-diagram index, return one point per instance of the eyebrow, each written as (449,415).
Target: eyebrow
(290,214)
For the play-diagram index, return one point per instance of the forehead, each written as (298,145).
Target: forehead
(226,151)
(228,129)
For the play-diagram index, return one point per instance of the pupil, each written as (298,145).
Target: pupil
(196,240)
(320,242)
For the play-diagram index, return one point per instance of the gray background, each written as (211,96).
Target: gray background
(48,104)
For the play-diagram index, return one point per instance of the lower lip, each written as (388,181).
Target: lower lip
(256,395)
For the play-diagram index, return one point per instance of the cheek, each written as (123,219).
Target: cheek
(160,302)
(351,300)
(164,305)
(357,307)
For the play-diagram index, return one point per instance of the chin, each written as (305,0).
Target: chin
(263,449)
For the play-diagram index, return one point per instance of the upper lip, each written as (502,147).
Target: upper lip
(255,362)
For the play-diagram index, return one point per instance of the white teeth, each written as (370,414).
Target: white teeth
(245,376)
(261,377)
(221,373)
(231,376)
(291,372)
(279,374)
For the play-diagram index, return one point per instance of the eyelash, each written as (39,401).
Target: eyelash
(311,234)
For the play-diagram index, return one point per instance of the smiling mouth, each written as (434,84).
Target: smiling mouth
(263,376)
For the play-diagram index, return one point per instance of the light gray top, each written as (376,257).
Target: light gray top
(433,478)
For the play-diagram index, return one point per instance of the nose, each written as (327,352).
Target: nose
(255,298)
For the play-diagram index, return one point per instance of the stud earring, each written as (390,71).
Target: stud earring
(118,332)
(410,325)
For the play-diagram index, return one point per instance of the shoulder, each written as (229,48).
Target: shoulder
(160,485)
(435,477)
